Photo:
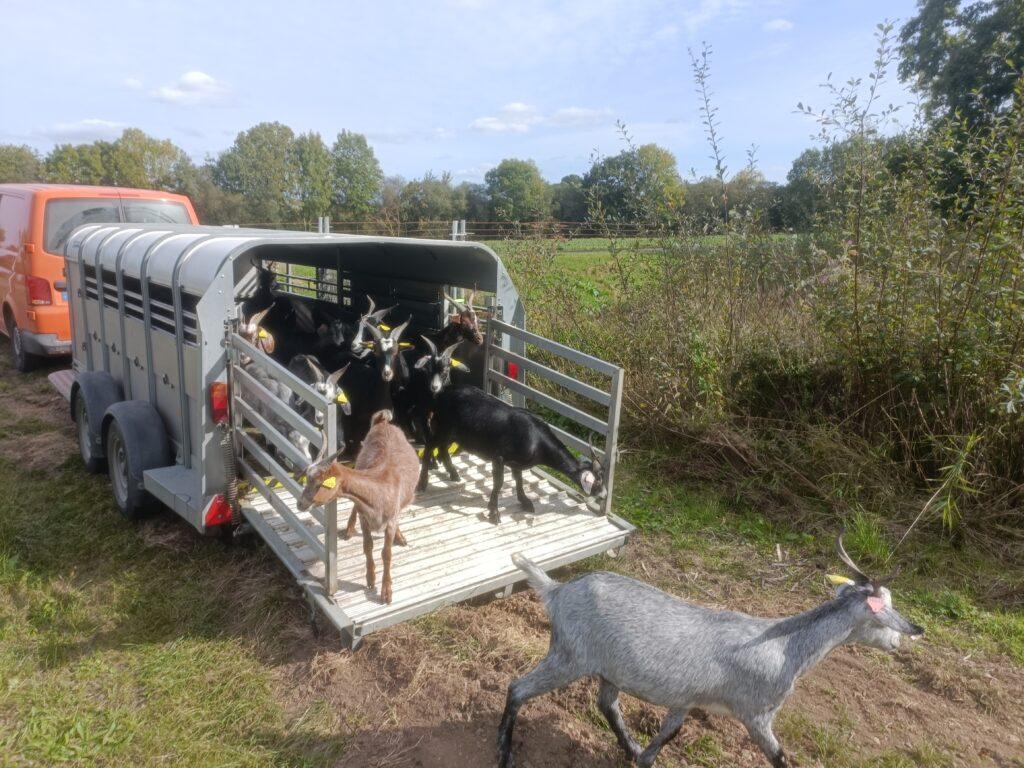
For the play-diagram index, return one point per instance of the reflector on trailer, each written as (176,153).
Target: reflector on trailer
(219,402)
(218,512)
(513,371)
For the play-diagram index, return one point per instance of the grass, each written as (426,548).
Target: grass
(119,647)
(117,652)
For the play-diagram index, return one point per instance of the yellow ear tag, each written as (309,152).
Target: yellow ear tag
(406,344)
(384,327)
(262,334)
(341,398)
(452,449)
(330,482)
(456,363)
(839,580)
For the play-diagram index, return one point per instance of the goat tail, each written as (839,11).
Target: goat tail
(540,581)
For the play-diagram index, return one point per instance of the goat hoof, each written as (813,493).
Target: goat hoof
(495,517)
(527,505)
(385,593)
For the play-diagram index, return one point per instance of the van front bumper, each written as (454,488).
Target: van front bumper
(46,344)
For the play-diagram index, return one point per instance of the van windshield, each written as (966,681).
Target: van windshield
(62,216)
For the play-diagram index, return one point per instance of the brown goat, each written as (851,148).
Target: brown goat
(382,484)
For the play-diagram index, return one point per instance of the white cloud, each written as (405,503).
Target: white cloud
(194,88)
(132,83)
(518,117)
(576,117)
(515,117)
(90,129)
(778,25)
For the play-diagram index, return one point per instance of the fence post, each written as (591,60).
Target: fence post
(612,439)
(331,508)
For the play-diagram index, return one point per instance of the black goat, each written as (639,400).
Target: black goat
(308,368)
(495,430)
(263,297)
(427,378)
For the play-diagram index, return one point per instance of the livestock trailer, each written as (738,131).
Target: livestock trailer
(163,402)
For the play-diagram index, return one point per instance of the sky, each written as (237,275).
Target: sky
(437,85)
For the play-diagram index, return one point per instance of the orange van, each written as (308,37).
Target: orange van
(35,222)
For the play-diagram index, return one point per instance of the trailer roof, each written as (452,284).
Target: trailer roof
(199,253)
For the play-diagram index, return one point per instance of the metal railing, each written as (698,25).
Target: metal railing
(249,424)
(608,401)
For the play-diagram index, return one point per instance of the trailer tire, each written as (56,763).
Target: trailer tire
(135,440)
(91,395)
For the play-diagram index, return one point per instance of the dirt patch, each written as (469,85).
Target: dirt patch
(431,693)
(42,451)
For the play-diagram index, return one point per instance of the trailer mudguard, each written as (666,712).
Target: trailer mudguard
(99,391)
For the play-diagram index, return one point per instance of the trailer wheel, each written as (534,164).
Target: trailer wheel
(93,463)
(135,441)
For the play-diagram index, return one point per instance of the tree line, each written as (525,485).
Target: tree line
(271,175)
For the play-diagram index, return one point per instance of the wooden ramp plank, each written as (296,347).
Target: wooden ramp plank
(454,550)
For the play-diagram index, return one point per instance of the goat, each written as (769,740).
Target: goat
(381,485)
(373,317)
(428,377)
(263,296)
(671,653)
(463,325)
(254,332)
(494,430)
(308,368)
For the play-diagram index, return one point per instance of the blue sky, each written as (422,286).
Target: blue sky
(442,85)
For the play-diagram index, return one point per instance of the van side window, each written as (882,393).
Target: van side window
(154,212)
(13,221)
(63,216)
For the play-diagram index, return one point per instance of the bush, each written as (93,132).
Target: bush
(885,348)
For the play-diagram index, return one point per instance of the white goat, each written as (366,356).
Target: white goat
(671,653)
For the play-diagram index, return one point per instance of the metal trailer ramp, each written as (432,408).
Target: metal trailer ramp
(454,552)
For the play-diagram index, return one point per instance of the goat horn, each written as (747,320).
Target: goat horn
(430,343)
(256,319)
(593,450)
(862,577)
(317,373)
(332,380)
(469,301)
(373,329)
(372,306)
(447,354)
(877,584)
(380,314)
(458,304)
(396,333)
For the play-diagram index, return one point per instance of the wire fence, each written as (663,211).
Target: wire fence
(475,230)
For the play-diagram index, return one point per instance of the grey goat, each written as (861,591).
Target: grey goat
(671,653)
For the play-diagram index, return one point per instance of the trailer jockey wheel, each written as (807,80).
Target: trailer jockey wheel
(136,441)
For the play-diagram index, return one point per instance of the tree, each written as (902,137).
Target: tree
(568,199)
(475,202)
(213,204)
(428,199)
(82,164)
(19,164)
(964,57)
(315,178)
(357,176)
(138,160)
(638,184)
(517,190)
(261,166)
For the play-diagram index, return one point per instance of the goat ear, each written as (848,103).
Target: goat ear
(459,366)
(422,362)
